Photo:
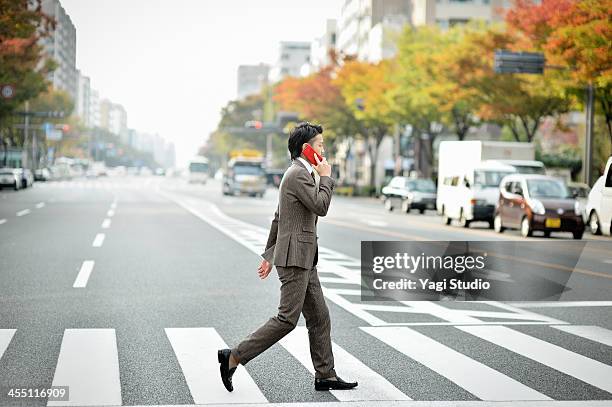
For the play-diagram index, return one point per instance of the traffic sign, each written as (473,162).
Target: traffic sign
(519,62)
(7,91)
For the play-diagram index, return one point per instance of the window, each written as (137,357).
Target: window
(547,188)
(609,178)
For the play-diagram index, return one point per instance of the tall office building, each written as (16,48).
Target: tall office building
(321,46)
(83,102)
(293,58)
(60,46)
(251,78)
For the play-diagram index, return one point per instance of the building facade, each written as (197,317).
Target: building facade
(60,46)
(293,60)
(113,118)
(251,78)
(323,45)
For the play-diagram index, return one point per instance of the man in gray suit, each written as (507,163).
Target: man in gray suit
(304,195)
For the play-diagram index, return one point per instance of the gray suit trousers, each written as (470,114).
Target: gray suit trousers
(300,293)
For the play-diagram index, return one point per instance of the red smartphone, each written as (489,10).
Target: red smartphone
(310,153)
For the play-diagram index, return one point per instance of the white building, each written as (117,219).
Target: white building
(60,46)
(251,78)
(447,13)
(94,108)
(323,45)
(293,57)
(83,102)
(113,118)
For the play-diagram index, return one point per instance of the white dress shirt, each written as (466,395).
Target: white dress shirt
(311,170)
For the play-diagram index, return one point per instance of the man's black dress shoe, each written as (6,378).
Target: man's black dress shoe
(339,384)
(223,356)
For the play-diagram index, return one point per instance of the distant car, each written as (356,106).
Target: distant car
(160,172)
(42,174)
(409,193)
(9,177)
(274,177)
(599,203)
(580,191)
(537,202)
(145,171)
(27,177)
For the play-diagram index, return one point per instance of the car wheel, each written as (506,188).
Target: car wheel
(546,233)
(463,220)
(594,224)
(421,211)
(406,206)
(388,205)
(497,224)
(526,229)
(578,235)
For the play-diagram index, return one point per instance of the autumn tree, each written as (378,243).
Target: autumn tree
(573,34)
(365,88)
(22,25)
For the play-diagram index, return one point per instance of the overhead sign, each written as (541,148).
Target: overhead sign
(519,62)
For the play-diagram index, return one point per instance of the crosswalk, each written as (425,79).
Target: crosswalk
(88,363)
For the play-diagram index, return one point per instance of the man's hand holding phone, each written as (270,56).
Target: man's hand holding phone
(322,167)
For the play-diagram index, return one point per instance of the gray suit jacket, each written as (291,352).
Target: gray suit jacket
(293,235)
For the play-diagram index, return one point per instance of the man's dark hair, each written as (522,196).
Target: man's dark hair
(300,134)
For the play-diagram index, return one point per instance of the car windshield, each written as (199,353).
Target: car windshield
(579,192)
(489,178)
(198,167)
(547,188)
(529,169)
(248,170)
(421,185)
(6,172)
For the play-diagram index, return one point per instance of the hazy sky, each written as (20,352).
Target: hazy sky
(172,63)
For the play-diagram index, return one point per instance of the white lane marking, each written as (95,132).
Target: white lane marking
(5,338)
(608,261)
(482,381)
(377,223)
(88,363)
(23,212)
(594,333)
(110,213)
(40,205)
(196,352)
(588,370)
(371,385)
(106,223)
(98,240)
(561,304)
(2,221)
(83,276)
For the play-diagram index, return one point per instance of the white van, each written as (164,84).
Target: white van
(471,195)
(599,205)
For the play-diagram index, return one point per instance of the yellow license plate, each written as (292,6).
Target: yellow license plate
(553,223)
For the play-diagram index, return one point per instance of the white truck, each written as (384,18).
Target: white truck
(599,205)
(469,173)
(198,170)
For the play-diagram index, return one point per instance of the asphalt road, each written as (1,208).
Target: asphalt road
(123,289)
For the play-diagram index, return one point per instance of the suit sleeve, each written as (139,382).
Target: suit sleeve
(273,231)
(317,200)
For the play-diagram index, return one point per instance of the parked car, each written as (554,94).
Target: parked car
(580,191)
(409,193)
(273,177)
(42,174)
(9,177)
(27,177)
(599,203)
(537,202)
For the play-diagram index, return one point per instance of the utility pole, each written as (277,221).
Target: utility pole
(588,141)
(26,125)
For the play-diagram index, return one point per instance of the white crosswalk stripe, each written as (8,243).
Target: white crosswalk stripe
(88,363)
(196,351)
(475,377)
(371,385)
(588,370)
(5,338)
(594,333)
